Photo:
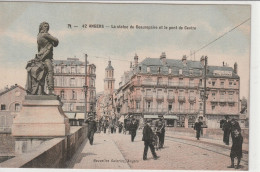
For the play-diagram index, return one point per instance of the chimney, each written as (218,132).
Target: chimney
(184,59)
(136,60)
(163,58)
(235,68)
(202,60)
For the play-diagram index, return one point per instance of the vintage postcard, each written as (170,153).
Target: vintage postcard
(143,86)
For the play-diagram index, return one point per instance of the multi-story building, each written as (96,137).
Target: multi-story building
(105,107)
(172,88)
(69,79)
(11,103)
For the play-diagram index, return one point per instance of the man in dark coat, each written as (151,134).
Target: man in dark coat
(132,128)
(160,131)
(120,126)
(105,126)
(236,149)
(197,127)
(226,127)
(92,128)
(148,136)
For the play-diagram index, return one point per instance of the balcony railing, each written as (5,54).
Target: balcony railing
(171,98)
(231,100)
(159,97)
(181,99)
(137,97)
(173,84)
(165,83)
(192,85)
(148,97)
(148,82)
(182,84)
(182,111)
(214,99)
(163,111)
(222,100)
(221,111)
(192,99)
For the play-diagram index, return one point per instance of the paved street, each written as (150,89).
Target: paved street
(116,151)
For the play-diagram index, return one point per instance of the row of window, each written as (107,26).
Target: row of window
(73,94)
(76,107)
(72,82)
(182,82)
(170,70)
(160,92)
(73,69)
(181,106)
(149,92)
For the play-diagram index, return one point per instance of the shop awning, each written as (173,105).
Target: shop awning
(75,115)
(165,116)
(150,116)
(70,115)
(80,116)
(170,117)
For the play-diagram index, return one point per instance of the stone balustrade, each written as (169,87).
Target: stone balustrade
(210,133)
(53,153)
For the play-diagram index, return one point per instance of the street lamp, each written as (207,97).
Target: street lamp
(85,86)
(204,93)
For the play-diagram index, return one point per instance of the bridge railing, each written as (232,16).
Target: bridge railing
(53,153)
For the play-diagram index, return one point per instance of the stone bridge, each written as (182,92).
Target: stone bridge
(61,151)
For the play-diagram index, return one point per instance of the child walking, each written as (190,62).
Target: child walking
(236,149)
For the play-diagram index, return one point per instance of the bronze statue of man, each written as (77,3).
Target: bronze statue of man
(40,68)
(46,42)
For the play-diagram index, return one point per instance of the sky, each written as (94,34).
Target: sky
(19,25)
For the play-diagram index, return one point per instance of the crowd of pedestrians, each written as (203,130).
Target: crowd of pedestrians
(154,133)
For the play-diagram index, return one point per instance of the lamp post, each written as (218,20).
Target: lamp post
(204,93)
(205,86)
(85,86)
(85,101)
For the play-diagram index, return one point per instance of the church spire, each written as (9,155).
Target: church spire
(109,80)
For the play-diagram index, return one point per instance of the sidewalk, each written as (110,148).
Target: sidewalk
(206,140)
(103,154)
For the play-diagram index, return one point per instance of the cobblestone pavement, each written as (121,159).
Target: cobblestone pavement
(115,151)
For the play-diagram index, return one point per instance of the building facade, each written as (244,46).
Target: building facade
(69,79)
(11,103)
(173,88)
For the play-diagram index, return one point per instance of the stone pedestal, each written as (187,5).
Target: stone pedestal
(40,119)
